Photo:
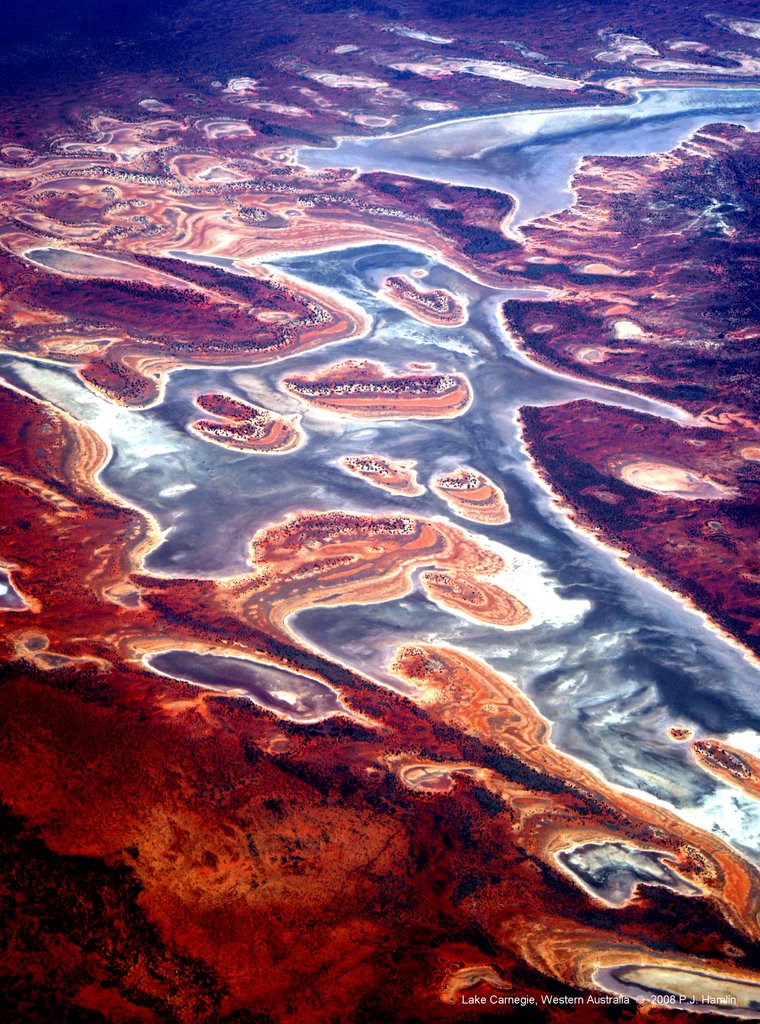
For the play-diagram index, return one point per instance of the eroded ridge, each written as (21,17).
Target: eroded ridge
(131,248)
(476,598)
(330,558)
(397,476)
(373,391)
(245,427)
(125,322)
(333,558)
(264,832)
(472,496)
(436,306)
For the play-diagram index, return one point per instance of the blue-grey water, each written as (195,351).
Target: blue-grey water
(612,660)
(531,155)
(292,695)
(10,599)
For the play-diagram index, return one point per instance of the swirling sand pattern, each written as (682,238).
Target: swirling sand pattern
(271,544)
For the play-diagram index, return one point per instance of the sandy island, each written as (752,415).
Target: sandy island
(246,427)
(472,496)
(371,390)
(395,476)
(436,307)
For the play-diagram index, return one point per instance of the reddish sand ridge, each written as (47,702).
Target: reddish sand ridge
(472,495)
(246,427)
(397,476)
(729,764)
(384,864)
(466,692)
(677,321)
(115,240)
(156,320)
(338,558)
(436,307)
(219,207)
(373,391)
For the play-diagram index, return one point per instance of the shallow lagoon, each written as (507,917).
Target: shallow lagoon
(531,155)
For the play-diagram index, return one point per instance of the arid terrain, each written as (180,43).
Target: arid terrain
(380,513)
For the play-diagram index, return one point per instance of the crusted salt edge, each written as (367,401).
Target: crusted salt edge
(83,397)
(604,978)
(511,224)
(109,411)
(524,577)
(221,421)
(80,397)
(8,587)
(702,817)
(724,807)
(623,398)
(745,740)
(621,556)
(662,855)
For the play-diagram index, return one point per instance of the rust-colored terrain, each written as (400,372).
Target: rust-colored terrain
(677,321)
(738,767)
(705,547)
(419,847)
(193,804)
(246,427)
(395,476)
(436,307)
(472,496)
(124,324)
